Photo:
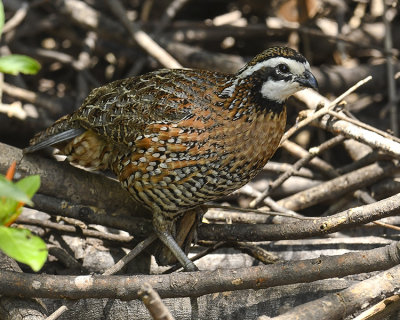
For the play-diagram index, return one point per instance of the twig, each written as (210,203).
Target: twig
(255,252)
(131,255)
(142,38)
(368,137)
(153,303)
(74,230)
(392,103)
(65,258)
(341,304)
(56,314)
(319,164)
(362,162)
(381,310)
(13,110)
(302,228)
(50,104)
(214,247)
(167,17)
(258,211)
(269,202)
(169,14)
(339,186)
(280,167)
(300,163)
(323,110)
(364,125)
(17,18)
(277,207)
(387,225)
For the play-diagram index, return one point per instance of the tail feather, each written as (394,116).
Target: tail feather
(43,140)
(82,147)
(62,130)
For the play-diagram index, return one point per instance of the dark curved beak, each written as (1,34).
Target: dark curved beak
(308,80)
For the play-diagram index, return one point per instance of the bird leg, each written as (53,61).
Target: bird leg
(183,232)
(161,227)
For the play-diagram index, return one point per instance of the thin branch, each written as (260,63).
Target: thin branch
(153,303)
(51,104)
(300,163)
(387,225)
(303,228)
(323,110)
(56,314)
(269,202)
(319,164)
(339,186)
(257,211)
(341,304)
(381,310)
(364,125)
(131,255)
(142,38)
(214,246)
(74,230)
(392,103)
(17,18)
(368,137)
(280,167)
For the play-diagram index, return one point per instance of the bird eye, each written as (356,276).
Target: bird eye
(283,68)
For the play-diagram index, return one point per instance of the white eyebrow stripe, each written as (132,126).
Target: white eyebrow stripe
(295,66)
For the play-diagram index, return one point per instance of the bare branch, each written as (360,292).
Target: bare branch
(341,304)
(153,303)
(194,284)
(303,228)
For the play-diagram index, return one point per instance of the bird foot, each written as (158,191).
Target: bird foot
(170,242)
(164,228)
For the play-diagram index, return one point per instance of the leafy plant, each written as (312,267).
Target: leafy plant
(19,244)
(16,63)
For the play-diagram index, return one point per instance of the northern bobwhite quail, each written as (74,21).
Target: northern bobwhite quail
(179,138)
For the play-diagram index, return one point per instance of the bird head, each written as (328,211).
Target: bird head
(277,73)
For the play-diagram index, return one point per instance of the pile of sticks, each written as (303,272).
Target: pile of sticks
(324,208)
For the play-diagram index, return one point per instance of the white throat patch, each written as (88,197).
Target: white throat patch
(279,90)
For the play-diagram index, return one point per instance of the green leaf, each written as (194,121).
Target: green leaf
(8,208)
(16,63)
(24,247)
(29,185)
(1,17)
(12,191)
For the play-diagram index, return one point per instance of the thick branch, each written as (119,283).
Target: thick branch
(192,284)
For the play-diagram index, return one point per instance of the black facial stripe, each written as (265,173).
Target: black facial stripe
(260,77)
(279,76)
(269,73)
